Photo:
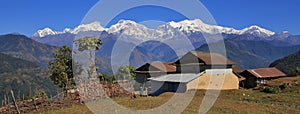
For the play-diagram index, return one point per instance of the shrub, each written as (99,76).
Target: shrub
(274,89)
(40,94)
(283,86)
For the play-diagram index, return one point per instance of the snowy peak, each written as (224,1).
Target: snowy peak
(190,26)
(186,23)
(45,32)
(257,31)
(95,26)
(126,25)
(171,29)
(132,29)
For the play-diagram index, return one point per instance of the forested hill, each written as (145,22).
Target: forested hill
(22,47)
(23,77)
(11,64)
(289,64)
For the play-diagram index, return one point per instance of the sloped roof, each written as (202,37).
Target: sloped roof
(183,78)
(237,69)
(266,72)
(242,78)
(163,67)
(212,58)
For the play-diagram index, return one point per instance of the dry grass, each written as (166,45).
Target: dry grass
(285,80)
(76,109)
(233,101)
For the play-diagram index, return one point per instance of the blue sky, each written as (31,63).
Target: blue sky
(27,16)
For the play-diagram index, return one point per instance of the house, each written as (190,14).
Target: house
(260,76)
(211,63)
(178,83)
(150,70)
(237,70)
(153,70)
(183,82)
(195,70)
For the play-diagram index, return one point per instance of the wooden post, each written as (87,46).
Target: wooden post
(84,90)
(29,90)
(5,100)
(35,104)
(8,99)
(16,106)
(19,94)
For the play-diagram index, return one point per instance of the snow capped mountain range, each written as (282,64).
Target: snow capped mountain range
(95,26)
(132,29)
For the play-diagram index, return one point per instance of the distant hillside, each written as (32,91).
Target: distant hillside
(11,64)
(252,54)
(288,64)
(22,47)
(23,77)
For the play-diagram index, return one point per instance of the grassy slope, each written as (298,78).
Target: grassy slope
(235,101)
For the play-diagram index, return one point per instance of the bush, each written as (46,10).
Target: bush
(40,94)
(283,86)
(274,89)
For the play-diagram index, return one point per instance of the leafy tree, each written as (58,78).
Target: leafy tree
(61,68)
(89,44)
(125,71)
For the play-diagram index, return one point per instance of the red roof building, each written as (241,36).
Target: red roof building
(259,76)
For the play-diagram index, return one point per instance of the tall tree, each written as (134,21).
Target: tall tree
(61,68)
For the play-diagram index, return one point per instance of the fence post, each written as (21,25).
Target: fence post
(13,97)
(5,100)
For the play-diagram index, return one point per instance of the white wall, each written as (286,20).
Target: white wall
(218,71)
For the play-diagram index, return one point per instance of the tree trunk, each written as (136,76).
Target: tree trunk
(66,88)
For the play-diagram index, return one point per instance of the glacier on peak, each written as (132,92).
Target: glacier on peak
(45,32)
(133,29)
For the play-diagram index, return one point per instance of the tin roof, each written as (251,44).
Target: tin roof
(266,72)
(183,78)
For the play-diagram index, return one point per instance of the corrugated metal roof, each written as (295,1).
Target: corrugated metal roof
(266,72)
(184,78)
